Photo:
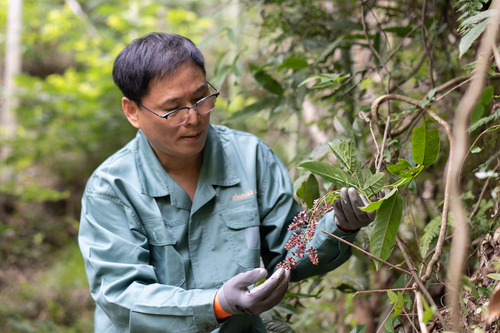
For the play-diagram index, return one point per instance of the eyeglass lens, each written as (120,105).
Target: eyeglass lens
(182,115)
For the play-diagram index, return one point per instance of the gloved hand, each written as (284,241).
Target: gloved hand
(235,298)
(347,214)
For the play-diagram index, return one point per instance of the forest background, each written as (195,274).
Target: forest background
(374,93)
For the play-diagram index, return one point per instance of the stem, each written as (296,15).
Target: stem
(382,291)
(381,157)
(420,312)
(420,283)
(367,253)
(365,30)
(424,41)
(440,121)
(460,242)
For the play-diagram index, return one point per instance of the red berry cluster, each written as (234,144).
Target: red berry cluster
(305,227)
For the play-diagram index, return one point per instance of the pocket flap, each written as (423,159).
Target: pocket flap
(159,233)
(241,217)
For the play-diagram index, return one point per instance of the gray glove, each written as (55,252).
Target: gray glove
(235,298)
(347,215)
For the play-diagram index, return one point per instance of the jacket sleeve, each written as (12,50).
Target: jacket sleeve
(277,209)
(122,281)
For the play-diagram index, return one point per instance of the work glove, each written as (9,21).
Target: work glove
(235,298)
(347,214)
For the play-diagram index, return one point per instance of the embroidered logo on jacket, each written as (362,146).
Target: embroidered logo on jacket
(244,195)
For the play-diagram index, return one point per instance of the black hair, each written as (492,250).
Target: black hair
(154,56)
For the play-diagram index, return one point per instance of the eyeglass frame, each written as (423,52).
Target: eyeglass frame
(187,108)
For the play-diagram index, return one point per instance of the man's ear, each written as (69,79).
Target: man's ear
(131,111)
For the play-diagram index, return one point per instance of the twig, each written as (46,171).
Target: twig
(381,156)
(429,54)
(446,204)
(401,43)
(411,251)
(367,253)
(365,30)
(388,314)
(420,283)
(460,242)
(420,312)
(447,127)
(382,291)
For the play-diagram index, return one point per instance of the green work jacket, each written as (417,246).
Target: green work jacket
(155,259)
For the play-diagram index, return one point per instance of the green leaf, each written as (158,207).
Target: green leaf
(209,37)
(346,288)
(424,102)
(478,17)
(408,301)
(375,182)
(385,227)
(486,95)
(392,296)
(346,24)
(311,192)
(494,276)
(376,204)
(425,145)
(329,49)
(298,186)
(359,329)
(293,63)
(269,83)
(399,305)
(483,121)
(399,31)
(309,79)
(475,150)
(250,110)
(331,173)
(428,311)
(232,36)
(470,37)
(477,113)
(431,93)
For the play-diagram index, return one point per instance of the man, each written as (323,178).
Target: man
(174,226)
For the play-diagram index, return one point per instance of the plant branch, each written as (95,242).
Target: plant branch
(381,156)
(447,127)
(460,241)
(424,41)
(367,253)
(420,312)
(420,283)
(382,291)
(365,30)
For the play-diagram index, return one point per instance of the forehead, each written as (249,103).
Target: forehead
(186,77)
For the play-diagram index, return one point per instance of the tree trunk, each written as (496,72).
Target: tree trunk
(12,68)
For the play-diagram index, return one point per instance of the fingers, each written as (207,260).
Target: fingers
(243,280)
(275,297)
(270,285)
(356,201)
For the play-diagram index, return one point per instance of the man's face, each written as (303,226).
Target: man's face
(183,89)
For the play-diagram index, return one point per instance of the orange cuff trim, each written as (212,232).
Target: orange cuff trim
(219,312)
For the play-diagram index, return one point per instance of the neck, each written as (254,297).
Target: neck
(183,166)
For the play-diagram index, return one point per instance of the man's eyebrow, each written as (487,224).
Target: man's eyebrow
(171,100)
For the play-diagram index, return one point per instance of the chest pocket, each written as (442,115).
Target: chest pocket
(166,260)
(243,234)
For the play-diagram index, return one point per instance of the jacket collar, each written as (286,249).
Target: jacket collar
(155,182)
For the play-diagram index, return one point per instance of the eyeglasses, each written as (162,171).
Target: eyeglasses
(178,117)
